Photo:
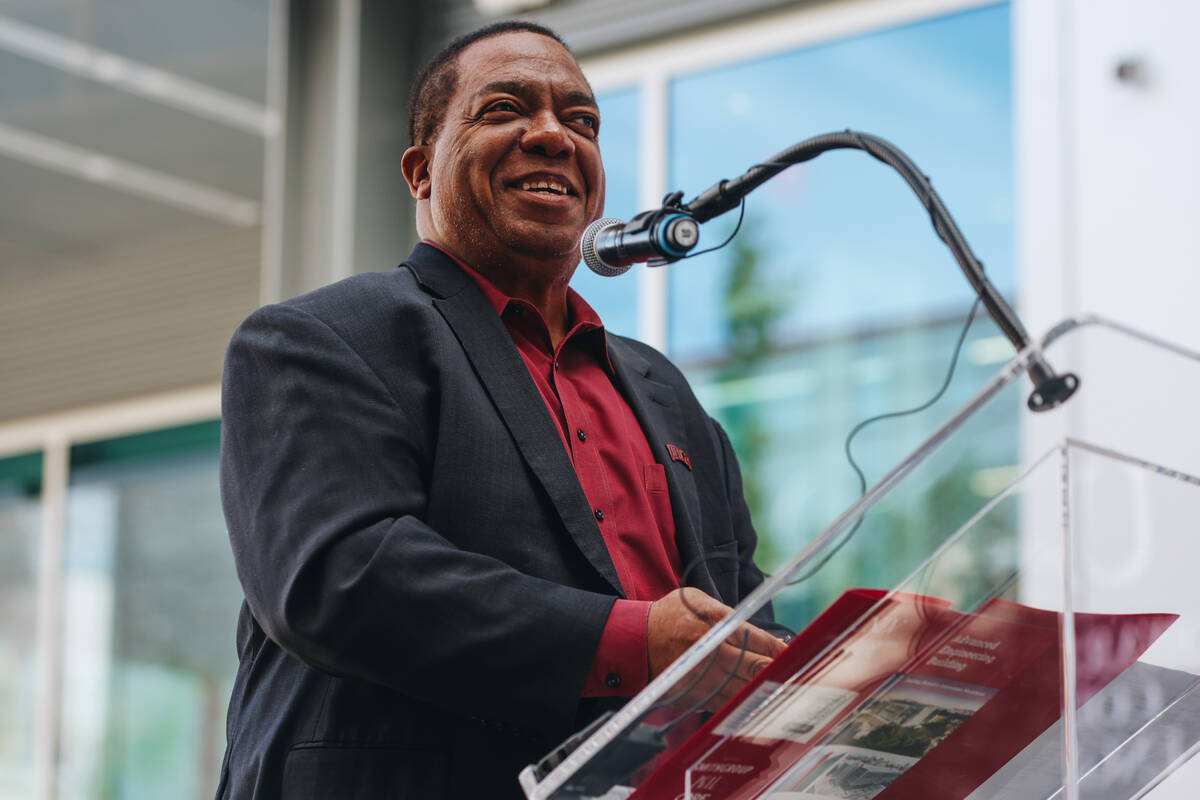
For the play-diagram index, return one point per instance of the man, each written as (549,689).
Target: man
(460,511)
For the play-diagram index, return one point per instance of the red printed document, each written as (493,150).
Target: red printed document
(897,696)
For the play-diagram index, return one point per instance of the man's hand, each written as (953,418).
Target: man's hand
(683,616)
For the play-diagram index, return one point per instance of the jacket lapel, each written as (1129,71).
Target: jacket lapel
(657,409)
(506,379)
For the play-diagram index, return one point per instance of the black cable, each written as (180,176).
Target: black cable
(924,190)
(1050,389)
(847,447)
(736,228)
(699,704)
(670,701)
(862,479)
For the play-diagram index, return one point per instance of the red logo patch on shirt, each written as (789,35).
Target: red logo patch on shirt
(678,455)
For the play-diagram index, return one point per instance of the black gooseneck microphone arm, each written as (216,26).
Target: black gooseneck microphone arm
(1050,389)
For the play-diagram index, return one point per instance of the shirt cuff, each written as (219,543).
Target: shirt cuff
(621,666)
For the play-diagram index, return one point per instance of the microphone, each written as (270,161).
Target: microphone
(610,247)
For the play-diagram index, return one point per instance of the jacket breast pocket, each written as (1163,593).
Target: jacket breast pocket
(723,558)
(344,771)
(723,564)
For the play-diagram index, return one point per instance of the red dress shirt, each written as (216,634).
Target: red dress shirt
(625,486)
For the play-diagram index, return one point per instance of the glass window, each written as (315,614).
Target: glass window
(842,238)
(837,301)
(150,608)
(20,521)
(616,300)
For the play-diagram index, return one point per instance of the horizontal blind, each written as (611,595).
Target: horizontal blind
(123,324)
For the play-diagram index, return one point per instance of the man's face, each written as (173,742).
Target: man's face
(514,175)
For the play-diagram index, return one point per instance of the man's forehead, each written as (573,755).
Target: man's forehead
(515,62)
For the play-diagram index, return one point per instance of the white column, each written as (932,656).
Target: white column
(55,460)
(652,282)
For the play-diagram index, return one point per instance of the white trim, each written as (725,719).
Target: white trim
(652,296)
(274,181)
(90,165)
(134,77)
(122,418)
(55,465)
(345,139)
(763,36)
(53,435)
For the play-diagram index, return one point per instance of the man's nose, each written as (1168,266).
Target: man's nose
(547,135)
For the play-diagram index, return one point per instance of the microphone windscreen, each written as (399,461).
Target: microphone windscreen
(587,247)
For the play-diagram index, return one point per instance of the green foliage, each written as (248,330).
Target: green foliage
(903,741)
(750,310)
(977,565)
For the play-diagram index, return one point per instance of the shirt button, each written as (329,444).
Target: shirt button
(612,680)
(599,515)
(582,436)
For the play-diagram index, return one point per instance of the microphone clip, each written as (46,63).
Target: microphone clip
(671,227)
(659,236)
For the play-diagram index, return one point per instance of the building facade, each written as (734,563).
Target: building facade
(164,170)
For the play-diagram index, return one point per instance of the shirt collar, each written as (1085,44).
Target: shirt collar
(582,317)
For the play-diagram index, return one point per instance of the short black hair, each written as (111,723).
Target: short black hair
(435,85)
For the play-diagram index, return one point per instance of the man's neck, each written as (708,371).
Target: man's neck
(550,299)
(539,284)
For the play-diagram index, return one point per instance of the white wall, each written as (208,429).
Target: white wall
(1108,203)
(1109,168)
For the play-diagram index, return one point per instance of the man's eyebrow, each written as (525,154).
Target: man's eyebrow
(578,98)
(502,87)
(520,89)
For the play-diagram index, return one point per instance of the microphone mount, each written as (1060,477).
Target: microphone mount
(1050,389)
(658,236)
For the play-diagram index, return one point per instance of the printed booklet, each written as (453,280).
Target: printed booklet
(897,696)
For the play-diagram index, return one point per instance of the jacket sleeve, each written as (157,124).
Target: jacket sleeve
(324,481)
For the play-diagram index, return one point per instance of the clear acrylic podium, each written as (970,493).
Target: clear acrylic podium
(1101,517)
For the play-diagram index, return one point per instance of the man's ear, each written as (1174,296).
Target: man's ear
(415,166)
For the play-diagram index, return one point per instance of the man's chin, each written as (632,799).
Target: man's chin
(547,245)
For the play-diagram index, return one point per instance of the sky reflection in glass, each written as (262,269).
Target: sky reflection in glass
(843,237)
(615,300)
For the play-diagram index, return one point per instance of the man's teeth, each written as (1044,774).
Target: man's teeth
(543,186)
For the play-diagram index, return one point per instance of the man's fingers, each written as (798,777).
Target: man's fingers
(756,640)
(762,642)
(683,616)
(732,659)
(701,605)
(717,680)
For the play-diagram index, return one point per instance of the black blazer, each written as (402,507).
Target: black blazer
(425,582)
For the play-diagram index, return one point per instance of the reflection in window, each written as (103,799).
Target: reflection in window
(20,519)
(837,301)
(150,607)
(615,299)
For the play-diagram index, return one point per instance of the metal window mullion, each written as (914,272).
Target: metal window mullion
(345,138)
(1069,653)
(652,286)
(275,155)
(46,727)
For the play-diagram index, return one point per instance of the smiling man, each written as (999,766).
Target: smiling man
(460,510)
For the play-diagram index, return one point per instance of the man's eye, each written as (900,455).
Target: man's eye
(502,105)
(589,121)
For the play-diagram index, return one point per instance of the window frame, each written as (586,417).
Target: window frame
(53,436)
(652,67)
